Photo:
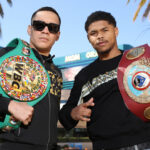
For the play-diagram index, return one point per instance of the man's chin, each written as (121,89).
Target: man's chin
(104,52)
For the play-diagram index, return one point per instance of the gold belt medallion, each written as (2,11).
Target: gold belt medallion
(22,78)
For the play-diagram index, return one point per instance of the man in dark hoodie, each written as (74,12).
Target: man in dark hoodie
(95,96)
(33,68)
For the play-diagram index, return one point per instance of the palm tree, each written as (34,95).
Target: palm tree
(2,12)
(141,4)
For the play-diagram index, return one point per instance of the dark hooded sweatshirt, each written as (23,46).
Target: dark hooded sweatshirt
(43,128)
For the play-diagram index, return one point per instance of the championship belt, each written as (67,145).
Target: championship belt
(134,80)
(23,78)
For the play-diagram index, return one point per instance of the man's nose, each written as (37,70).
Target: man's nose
(100,35)
(46,30)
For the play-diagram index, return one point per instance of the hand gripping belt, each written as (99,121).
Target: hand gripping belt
(23,78)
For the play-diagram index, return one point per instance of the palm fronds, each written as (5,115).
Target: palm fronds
(141,4)
(2,12)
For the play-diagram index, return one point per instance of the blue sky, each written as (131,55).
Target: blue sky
(73,14)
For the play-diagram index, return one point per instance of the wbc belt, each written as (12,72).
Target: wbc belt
(23,78)
(134,80)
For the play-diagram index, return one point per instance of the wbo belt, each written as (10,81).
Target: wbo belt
(134,80)
(23,78)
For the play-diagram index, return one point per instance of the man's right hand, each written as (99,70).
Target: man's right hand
(21,111)
(82,112)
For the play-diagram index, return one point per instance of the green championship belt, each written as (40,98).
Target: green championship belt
(23,78)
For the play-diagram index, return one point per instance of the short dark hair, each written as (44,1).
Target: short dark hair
(46,9)
(99,15)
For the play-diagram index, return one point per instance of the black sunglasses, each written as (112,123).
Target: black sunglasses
(40,25)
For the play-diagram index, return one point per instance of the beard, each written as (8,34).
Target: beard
(106,51)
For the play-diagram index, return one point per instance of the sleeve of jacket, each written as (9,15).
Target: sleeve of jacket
(4,102)
(65,113)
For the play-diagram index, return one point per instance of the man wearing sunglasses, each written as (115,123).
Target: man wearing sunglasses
(38,129)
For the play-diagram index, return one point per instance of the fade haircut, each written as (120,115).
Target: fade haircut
(99,15)
(46,9)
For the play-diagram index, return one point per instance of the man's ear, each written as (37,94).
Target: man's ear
(116,31)
(87,36)
(29,29)
(57,36)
